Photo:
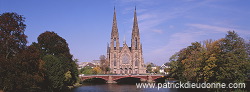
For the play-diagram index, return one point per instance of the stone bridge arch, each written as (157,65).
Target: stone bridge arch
(121,77)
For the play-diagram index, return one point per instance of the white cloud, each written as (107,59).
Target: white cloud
(211,28)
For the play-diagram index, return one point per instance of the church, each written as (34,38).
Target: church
(125,59)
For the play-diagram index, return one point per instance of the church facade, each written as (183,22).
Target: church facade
(125,59)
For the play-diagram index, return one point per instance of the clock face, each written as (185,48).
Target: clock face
(125,59)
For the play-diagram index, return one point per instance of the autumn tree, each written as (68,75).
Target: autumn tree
(12,37)
(97,70)
(224,60)
(20,65)
(210,58)
(104,65)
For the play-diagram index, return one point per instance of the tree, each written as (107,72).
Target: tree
(149,68)
(233,54)
(210,59)
(248,52)
(19,64)
(97,70)
(224,60)
(52,44)
(12,37)
(174,65)
(54,76)
(103,65)
(86,70)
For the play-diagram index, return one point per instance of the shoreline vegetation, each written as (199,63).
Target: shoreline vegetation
(226,60)
(46,65)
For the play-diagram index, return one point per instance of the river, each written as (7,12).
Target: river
(119,88)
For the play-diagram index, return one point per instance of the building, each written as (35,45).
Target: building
(164,66)
(96,62)
(125,59)
(84,64)
(91,65)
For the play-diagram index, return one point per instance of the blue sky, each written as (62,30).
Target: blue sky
(166,26)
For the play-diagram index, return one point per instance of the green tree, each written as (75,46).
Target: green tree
(174,66)
(54,76)
(52,44)
(67,76)
(193,61)
(232,64)
(86,70)
(149,68)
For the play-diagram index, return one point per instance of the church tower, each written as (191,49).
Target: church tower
(125,59)
(135,42)
(114,34)
(114,43)
(136,46)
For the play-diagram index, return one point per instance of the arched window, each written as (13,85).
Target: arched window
(135,43)
(115,43)
(114,60)
(136,60)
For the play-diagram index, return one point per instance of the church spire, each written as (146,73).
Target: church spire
(114,33)
(135,33)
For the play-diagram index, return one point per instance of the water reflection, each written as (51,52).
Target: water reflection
(117,88)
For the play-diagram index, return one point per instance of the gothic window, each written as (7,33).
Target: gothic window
(136,60)
(125,59)
(114,60)
(115,43)
(135,43)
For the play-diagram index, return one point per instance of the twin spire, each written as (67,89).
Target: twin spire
(135,31)
(115,34)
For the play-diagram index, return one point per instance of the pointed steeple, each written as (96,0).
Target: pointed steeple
(135,25)
(114,34)
(135,33)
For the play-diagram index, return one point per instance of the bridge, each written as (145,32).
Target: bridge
(114,78)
